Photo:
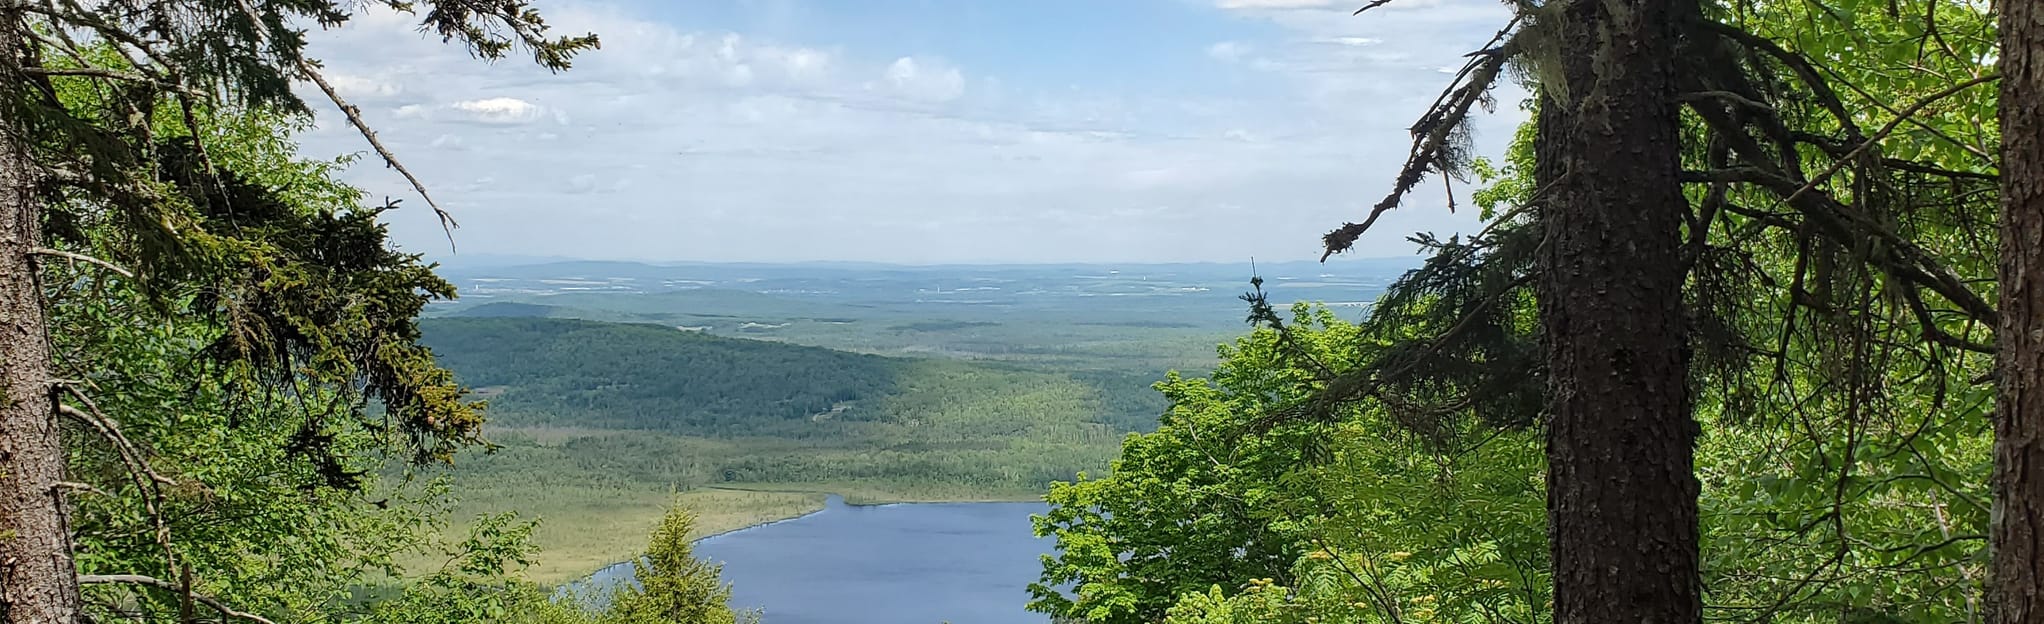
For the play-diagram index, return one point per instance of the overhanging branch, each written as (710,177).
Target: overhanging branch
(150,581)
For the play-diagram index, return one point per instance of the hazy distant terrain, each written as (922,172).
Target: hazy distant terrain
(1205,291)
(1126,317)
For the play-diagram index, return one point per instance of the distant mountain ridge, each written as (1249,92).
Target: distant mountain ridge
(1200,295)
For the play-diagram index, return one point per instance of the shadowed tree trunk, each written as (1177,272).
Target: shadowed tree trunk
(2016,592)
(38,583)
(1622,487)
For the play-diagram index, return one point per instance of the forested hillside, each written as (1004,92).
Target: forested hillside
(563,372)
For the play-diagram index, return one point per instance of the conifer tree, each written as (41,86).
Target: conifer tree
(673,586)
(311,301)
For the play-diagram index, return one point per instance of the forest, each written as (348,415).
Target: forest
(1749,334)
(549,371)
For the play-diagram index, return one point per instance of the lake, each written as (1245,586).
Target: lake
(923,563)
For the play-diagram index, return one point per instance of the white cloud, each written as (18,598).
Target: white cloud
(1228,50)
(500,110)
(589,183)
(674,143)
(925,80)
(356,87)
(448,142)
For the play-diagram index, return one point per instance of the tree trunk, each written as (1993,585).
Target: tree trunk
(2016,592)
(1622,488)
(38,583)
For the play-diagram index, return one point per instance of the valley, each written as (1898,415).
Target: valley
(747,392)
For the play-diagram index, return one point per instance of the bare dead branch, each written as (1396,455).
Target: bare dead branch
(150,581)
(1936,334)
(1887,129)
(354,114)
(1430,137)
(109,74)
(1373,4)
(147,480)
(1728,96)
(1825,96)
(79,257)
(1895,255)
(82,487)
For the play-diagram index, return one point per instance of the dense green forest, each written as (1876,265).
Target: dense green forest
(540,371)
(574,373)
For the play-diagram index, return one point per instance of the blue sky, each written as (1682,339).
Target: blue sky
(916,131)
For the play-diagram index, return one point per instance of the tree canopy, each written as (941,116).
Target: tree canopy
(1837,177)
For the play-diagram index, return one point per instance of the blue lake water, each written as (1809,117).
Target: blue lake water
(965,563)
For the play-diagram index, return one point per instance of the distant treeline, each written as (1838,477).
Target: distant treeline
(564,372)
(575,373)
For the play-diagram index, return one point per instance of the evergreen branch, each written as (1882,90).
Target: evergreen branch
(150,581)
(1367,381)
(354,114)
(114,34)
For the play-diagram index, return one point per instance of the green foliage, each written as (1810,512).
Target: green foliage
(1186,506)
(474,586)
(1347,520)
(673,586)
(477,585)
(237,353)
(297,286)
(610,375)
(223,428)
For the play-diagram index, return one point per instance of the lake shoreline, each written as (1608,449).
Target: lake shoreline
(884,564)
(871,500)
(825,506)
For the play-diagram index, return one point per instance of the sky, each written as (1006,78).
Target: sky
(914,131)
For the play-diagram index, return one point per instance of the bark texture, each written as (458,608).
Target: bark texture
(1622,488)
(38,582)
(2017,591)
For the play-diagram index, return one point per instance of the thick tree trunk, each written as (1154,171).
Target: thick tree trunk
(1622,488)
(38,583)
(2016,593)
